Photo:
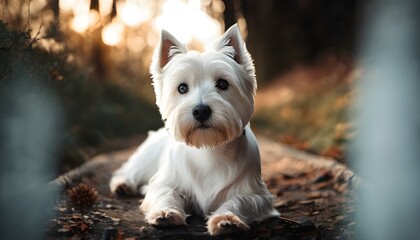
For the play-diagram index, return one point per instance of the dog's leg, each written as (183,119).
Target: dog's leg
(235,215)
(140,167)
(164,206)
(132,174)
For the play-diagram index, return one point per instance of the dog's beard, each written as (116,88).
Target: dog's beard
(206,136)
(222,127)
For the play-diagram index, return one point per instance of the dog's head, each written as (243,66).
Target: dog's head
(207,98)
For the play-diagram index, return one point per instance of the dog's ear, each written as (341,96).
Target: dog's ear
(168,47)
(166,50)
(232,44)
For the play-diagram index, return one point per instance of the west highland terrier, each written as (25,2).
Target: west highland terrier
(206,159)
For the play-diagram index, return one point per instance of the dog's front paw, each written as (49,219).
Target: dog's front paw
(224,224)
(121,187)
(168,217)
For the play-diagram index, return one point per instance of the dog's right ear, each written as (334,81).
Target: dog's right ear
(166,50)
(168,47)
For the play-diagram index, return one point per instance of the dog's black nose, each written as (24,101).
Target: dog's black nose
(201,112)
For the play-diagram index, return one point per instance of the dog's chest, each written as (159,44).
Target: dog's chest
(209,182)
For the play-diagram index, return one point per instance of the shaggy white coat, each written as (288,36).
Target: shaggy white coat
(213,171)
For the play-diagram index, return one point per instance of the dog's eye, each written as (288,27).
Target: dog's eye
(183,88)
(222,84)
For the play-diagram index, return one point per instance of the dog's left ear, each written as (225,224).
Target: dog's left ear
(232,44)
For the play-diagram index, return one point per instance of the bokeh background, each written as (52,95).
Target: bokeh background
(74,83)
(91,58)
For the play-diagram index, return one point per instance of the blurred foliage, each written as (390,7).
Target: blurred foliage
(284,33)
(105,93)
(93,112)
(315,116)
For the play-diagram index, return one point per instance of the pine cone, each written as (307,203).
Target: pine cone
(83,196)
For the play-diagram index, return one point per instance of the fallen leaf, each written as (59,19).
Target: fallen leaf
(83,226)
(62,209)
(76,216)
(280,203)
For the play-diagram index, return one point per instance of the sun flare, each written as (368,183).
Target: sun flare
(187,21)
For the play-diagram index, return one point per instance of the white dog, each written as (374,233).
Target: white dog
(206,159)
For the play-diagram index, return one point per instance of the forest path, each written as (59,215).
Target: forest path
(314,195)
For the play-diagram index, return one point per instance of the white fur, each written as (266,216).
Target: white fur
(214,171)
